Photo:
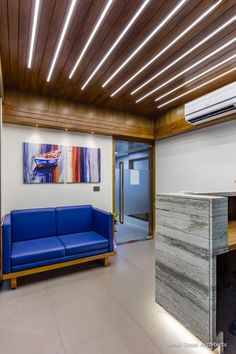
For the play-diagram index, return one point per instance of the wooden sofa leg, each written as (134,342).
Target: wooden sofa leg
(106,262)
(13,283)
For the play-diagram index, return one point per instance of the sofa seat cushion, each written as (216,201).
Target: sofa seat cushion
(83,242)
(36,250)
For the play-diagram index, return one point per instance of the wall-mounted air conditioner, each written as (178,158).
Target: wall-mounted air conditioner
(214,105)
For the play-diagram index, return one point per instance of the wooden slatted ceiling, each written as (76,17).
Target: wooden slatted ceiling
(15,27)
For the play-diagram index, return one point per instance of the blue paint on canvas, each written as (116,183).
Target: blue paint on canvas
(43,163)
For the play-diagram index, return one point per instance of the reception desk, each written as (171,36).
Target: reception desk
(192,231)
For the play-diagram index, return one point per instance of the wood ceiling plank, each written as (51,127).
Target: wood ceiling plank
(198,34)
(227,52)
(14,41)
(42,38)
(54,31)
(78,33)
(176,28)
(146,52)
(95,94)
(4,41)
(24,29)
(157,11)
(13,21)
(109,34)
(72,43)
(202,51)
(204,90)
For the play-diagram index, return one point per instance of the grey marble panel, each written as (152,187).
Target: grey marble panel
(191,231)
(189,223)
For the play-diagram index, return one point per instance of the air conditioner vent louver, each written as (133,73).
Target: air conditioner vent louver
(216,104)
(216,113)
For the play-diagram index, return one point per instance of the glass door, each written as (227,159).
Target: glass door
(133,191)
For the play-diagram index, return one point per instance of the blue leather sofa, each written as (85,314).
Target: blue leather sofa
(37,240)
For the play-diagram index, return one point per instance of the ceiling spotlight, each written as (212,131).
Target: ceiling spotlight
(61,39)
(198,87)
(66,129)
(99,22)
(147,39)
(35,22)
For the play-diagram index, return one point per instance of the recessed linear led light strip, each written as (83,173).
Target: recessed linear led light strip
(197,87)
(98,24)
(211,35)
(147,39)
(130,23)
(175,40)
(187,69)
(196,77)
(62,36)
(33,33)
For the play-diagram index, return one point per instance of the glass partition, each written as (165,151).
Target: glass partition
(133,191)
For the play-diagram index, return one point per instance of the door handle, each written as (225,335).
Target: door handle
(121,192)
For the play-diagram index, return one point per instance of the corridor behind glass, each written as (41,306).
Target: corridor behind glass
(133,186)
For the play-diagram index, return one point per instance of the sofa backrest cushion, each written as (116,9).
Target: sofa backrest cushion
(33,223)
(74,219)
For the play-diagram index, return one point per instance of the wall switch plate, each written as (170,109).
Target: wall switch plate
(96,188)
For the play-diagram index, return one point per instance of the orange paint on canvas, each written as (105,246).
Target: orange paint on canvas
(75,164)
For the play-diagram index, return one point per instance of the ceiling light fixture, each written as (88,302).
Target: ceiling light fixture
(62,36)
(92,35)
(146,40)
(196,77)
(33,33)
(174,41)
(130,23)
(197,87)
(204,40)
(187,69)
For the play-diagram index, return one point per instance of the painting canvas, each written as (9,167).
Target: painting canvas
(43,163)
(83,165)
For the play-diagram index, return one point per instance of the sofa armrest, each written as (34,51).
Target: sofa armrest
(6,244)
(103,225)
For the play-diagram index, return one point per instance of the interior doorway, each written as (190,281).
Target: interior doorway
(133,190)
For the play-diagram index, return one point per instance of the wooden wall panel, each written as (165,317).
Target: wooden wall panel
(25,108)
(173,123)
(1,79)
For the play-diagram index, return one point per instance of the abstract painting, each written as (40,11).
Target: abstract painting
(43,163)
(83,165)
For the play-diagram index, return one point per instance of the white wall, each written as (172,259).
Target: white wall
(16,195)
(201,161)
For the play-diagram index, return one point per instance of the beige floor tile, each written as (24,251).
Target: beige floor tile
(126,339)
(88,316)
(26,286)
(14,306)
(169,336)
(31,332)
(133,289)
(65,292)
(92,309)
